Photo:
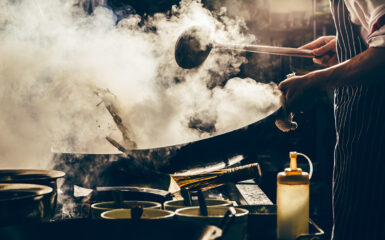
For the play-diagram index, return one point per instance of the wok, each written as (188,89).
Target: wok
(149,167)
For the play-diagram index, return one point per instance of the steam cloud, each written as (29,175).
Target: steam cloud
(53,57)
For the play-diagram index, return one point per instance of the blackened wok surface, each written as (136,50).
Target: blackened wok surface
(151,166)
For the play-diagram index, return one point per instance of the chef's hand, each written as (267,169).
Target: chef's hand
(324,48)
(300,92)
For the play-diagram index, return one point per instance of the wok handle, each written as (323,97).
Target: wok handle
(282,51)
(241,173)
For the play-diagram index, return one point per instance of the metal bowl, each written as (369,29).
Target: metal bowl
(174,205)
(237,228)
(99,208)
(148,214)
(21,203)
(33,176)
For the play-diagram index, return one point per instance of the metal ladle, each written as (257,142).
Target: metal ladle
(194,45)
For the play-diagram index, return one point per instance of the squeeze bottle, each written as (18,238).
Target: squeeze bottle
(293,200)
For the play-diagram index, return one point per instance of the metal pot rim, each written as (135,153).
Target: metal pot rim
(240,212)
(169,214)
(97,206)
(34,190)
(23,175)
(217,202)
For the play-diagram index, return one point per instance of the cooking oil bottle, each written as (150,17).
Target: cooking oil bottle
(293,200)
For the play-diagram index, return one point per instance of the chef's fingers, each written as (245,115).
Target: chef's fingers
(321,41)
(318,42)
(325,49)
(322,60)
(332,61)
(283,86)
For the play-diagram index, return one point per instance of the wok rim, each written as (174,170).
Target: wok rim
(180,145)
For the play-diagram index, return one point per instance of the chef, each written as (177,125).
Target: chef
(356,72)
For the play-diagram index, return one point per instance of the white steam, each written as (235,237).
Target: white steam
(53,57)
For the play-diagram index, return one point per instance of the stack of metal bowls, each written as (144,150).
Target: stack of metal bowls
(28,195)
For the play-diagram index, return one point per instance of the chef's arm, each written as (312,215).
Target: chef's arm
(367,67)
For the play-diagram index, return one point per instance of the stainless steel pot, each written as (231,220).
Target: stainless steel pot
(20,203)
(41,177)
(237,228)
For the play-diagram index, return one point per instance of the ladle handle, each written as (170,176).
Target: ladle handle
(186,197)
(202,204)
(282,51)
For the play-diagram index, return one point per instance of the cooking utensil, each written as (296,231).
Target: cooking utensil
(186,195)
(205,181)
(228,220)
(194,45)
(202,204)
(33,176)
(20,203)
(136,213)
(139,168)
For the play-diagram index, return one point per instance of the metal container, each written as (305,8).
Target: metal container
(148,213)
(21,203)
(98,208)
(174,205)
(237,228)
(41,177)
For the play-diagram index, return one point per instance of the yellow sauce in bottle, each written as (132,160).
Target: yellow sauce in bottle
(292,201)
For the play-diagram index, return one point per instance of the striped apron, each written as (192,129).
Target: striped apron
(359,157)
